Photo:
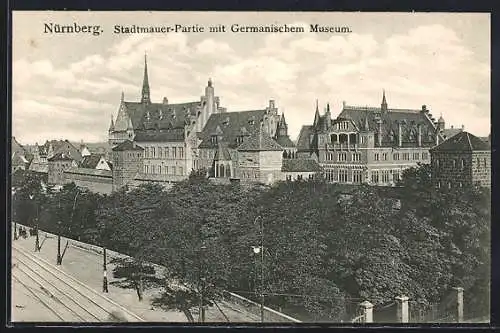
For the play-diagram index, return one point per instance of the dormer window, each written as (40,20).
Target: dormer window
(251,122)
(226,121)
(148,116)
(214,139)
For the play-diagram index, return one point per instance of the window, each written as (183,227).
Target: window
(485,164)
(153,169)
(181,152)
(375,177)
(438,185)
(416,156)
(166,170)
(159,169)
(395,156)
(342,157)
(385,176)
(311,176)
(437,164)
(174,152)
(154,152)
(363,139)
(357,176)
(462,166)
(425,156)
(449,184)
(288,177)
(376,157)
(454,163)
(406,156)
(160,152)
(174,170)
(356,157)
(146,170)
(342,175)
(299,177)
(460,184)
(180,171)
(395,176)
(384,156)
(167,152)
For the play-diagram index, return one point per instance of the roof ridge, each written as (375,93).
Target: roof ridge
(468,138)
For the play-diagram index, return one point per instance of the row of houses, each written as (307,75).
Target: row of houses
(164,142)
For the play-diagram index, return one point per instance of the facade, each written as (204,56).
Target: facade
(369,144)
(461,161)
(127,161)
(57,164)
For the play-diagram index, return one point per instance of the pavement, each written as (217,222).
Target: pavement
(86,266)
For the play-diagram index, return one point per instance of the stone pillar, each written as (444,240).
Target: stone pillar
(367,309)
(419,137)
(460,304)
(402,313)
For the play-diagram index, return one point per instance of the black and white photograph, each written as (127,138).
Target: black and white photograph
(250,167)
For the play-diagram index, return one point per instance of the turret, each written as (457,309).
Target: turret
(441,124)
(383,105)
(328,118)
(316,115)
(112,125)
(282,126)
(145,84)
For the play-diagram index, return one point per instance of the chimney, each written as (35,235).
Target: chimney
(463,127)
(451,126)
(271,104)
(165,100)
(344,103)
(400,135)
(424,108)
(133,144)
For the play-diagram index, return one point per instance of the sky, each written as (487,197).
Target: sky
(67,86)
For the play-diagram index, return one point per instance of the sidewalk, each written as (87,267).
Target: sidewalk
(86,266)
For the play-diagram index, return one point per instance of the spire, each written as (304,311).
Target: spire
(123,97)
(282,126)
(129,123)
(316,115)
(145,83)
(367,127)
(209,82)
(383,106)
(328,107)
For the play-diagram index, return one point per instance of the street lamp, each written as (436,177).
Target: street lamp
(59,258)
(257,250)
(202,283)
(37,240)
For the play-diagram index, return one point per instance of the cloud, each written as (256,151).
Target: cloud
(425,65)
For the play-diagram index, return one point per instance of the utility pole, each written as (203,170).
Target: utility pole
(262,270)
(59,259)
(105,278)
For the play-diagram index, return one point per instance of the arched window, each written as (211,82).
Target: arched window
(221,170)
(463,164)
(454,163)
(228,171)
(284,154)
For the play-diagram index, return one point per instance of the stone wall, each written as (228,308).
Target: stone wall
(452,169)
(96,184)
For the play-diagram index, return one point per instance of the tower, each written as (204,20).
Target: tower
(145,84)
(316,115)
(441,123)
(383,105)
(282,126)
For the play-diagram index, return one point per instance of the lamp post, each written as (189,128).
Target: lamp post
(37,240)
(257,250)
(202,283)
(59,259)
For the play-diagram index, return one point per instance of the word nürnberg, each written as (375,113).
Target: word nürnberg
(96,30)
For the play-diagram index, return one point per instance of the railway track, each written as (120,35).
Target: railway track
(67,298)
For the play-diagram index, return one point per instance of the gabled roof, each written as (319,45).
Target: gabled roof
(232,125)
(160,115)
(450,132)
(258,141)
(61,156)
(90,161)
(300,165)
(463,141)
(127,145)
(409,118)
(222,154)
(167,135)
(285,141)
(303,142)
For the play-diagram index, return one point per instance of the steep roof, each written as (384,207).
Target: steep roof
(90,161)
(463,141)
(409,118)
(232,125)
(222,153)
(300,165)
(127,145)
(284,141)
(16,146)
(161,115)
(303,142)
(258,141)
(450,132)
(61,156)
(168,135)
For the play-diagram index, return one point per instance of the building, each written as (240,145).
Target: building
(57,165)
(93,172)
(463,160)
(127,162)
(42,154)
(167,132)
(369,144)
(20,157)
